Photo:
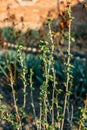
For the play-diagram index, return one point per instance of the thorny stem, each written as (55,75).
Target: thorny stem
(24,90)
(80,127)
(53,70)
(44,88)
(14,98)
(50,34)
(54,85)
(24,79)
(51,39)
(23,75)
(45,95)
(58,123)
(68,68)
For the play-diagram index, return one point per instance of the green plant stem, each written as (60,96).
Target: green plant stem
(53,70)
(50,34)
(23,75)
(52,59)
(58,123)
(14,98)
(80,127)
(24,90)
(54,86)
(45,94)
(68,69)
(23,78)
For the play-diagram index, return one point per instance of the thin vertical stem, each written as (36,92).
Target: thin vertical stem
(23,74)
(45,95)
(80,127)
(24,90)
(68,68)
(14,98)
(53,71)
(54,85)
(58,123)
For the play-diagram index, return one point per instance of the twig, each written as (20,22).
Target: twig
(68,68)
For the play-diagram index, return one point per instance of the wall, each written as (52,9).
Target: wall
(35,13)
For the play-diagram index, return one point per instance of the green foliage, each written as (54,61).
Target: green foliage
(53,81)
(80,76)
(34,34)
(9,34)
